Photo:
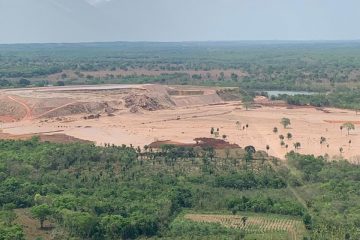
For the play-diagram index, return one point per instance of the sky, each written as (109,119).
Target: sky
(41,21)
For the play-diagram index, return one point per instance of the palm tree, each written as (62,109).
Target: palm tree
(267,148)
(281,137)
(138,150)
(341,150)
(250,150)
(349,126)
(238,125)
(247,105)
(322,141)
(146,147)
(275,130)
(227,152)
(341,128)
(297,145)
(282,143)
(289,136)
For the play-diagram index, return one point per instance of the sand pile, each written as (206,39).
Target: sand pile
(10,109)
(80,108)
(155,98)
(174,92)
(137,103)
(182,101)
(230,94)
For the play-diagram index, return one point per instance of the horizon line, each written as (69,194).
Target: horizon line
(190,41)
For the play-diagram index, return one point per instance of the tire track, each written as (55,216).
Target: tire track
(28,115)
(55,109)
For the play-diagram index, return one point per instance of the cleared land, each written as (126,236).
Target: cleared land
(253,224)
(143,114)
(31,226)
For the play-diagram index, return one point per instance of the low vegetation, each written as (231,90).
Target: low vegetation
(67,188)
(341,98)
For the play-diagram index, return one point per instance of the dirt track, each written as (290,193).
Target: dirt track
(28,115)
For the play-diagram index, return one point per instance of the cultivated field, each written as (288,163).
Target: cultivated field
(253,224)
(142,114)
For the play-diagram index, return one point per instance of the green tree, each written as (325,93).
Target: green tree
(113,226)
(267,148)
(234,77)
(60,83)
(24,82)
(247,101)
(222,76)
(297,145)
(80,223)
(341,150)
(307,219)
(13,232)
(8,217)
(250,149)
(41,212)
(289,136)
(285,122)
(349,126)
(275,130)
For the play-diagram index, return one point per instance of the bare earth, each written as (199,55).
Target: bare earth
(142,114)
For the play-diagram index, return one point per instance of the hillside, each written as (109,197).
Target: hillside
(172,193)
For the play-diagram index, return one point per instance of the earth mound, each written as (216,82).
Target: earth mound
(201,142)
(10,110)
(144,102)
(53,102)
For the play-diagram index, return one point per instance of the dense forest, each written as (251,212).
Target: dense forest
(83,191)
(340,98)
(312,66)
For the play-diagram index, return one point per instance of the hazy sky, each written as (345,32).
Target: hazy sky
(177,20)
